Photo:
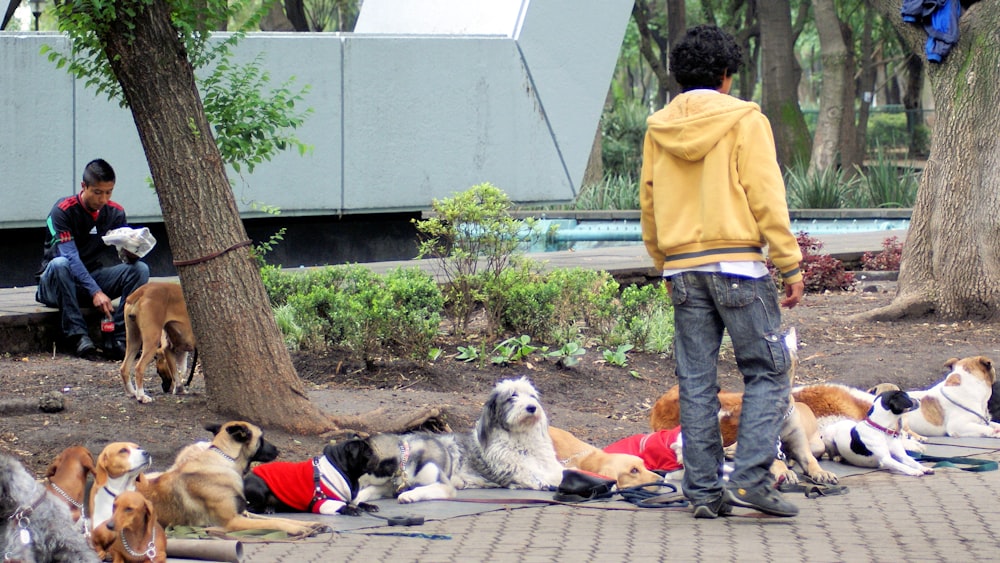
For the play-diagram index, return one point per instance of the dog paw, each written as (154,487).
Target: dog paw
(407,498)
(349,510)
(368,507)
(825,477)
(144,398)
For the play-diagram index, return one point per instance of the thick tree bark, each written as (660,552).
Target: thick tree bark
(641,13)
(951,261)
(781,74)
(248,371)
(833,55)
(911,101)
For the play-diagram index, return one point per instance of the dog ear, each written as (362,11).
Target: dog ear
(213,428)
(239,432)
(150,517)
(987,364)
(88,463)
(950,364)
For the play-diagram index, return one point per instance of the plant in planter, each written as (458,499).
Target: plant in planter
(886,260)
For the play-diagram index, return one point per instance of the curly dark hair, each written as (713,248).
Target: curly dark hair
(704,56)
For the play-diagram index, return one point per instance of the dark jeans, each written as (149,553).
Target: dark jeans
(705,304)
(58,289)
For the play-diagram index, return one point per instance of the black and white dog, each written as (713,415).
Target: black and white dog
(876,441)
(34,525)
(326,484)
(510,447)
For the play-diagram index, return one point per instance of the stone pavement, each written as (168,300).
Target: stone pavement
(947,516)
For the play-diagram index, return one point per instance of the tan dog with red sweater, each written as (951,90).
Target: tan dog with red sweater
(574,453)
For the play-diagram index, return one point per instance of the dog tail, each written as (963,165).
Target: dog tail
(194,361)
(792,343)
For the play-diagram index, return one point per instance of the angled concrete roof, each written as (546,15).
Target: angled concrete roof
(425,99)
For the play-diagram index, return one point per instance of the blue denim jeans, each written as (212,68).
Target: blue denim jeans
(705,304)
(57,288)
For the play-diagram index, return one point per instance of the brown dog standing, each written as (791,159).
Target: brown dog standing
(66,477)
(156,320)
(132,534)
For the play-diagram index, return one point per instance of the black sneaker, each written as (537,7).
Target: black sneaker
(85,347)
(712,509)
(763,499)
(115,351)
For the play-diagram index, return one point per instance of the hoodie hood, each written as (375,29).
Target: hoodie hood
(694,122)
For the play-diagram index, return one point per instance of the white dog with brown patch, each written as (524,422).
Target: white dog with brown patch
(115,472)
(957,406)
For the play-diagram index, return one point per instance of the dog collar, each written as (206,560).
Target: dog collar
(985,420)
(22,517)
(150,552)
(65,495)
(893,433)
(222,453)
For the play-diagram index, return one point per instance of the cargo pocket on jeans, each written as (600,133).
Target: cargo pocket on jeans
(733,291)
(779,352)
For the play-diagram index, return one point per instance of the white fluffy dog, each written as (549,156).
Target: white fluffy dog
(510,447)
(34,525)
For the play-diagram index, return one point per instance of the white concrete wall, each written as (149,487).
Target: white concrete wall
(410,110)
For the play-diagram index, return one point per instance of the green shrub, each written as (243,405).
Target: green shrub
(887,130)
(474,238)
(373,316)
(884,184)
(560,306)
(623,129)
(615,192)
(645,318)
(826,189)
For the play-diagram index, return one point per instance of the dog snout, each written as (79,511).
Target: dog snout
(110,522)
(531,409)
(266,452)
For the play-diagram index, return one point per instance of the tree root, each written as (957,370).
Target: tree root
(909,306)
(381,420)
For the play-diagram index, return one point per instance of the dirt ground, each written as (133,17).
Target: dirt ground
(598,402)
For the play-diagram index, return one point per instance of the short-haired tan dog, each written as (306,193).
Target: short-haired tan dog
(132,534)
(574,453)
(206,487)
(156,320)
(115,472)
(66,477)
(957,406)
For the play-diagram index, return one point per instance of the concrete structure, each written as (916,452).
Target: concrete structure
(405,110)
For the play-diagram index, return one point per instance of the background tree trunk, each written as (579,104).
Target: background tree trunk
(833,54)
(248,371)
(781,74)
(951,265)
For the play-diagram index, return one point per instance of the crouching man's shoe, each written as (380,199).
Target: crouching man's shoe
(85,347)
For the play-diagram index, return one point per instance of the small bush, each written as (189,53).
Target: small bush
(475,239)
(645,318)
(820,272)
(883,184)
(886,260)
(615,192)
(397,313)
(827,189)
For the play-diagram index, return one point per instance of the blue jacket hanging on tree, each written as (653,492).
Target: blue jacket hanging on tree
(940,21)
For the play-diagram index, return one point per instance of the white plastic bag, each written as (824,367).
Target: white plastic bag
(137,241)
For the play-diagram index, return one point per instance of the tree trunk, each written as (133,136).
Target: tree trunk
(275,19)
(854,155)
(833,54)
(950,264)
(248,371)
(912,101)
(676,28)
(640,13)
(781,74)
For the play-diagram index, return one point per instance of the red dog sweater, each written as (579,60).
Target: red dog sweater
(654,449)
(295,484)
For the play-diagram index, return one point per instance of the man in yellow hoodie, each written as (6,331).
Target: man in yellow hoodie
(712,197)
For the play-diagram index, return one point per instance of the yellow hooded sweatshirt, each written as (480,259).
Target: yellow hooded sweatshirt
(711,189)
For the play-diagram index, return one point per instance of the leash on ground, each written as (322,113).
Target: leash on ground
(812,488)
(971,464)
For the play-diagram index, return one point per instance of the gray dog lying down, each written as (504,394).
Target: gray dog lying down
(510,447)
(34,526)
